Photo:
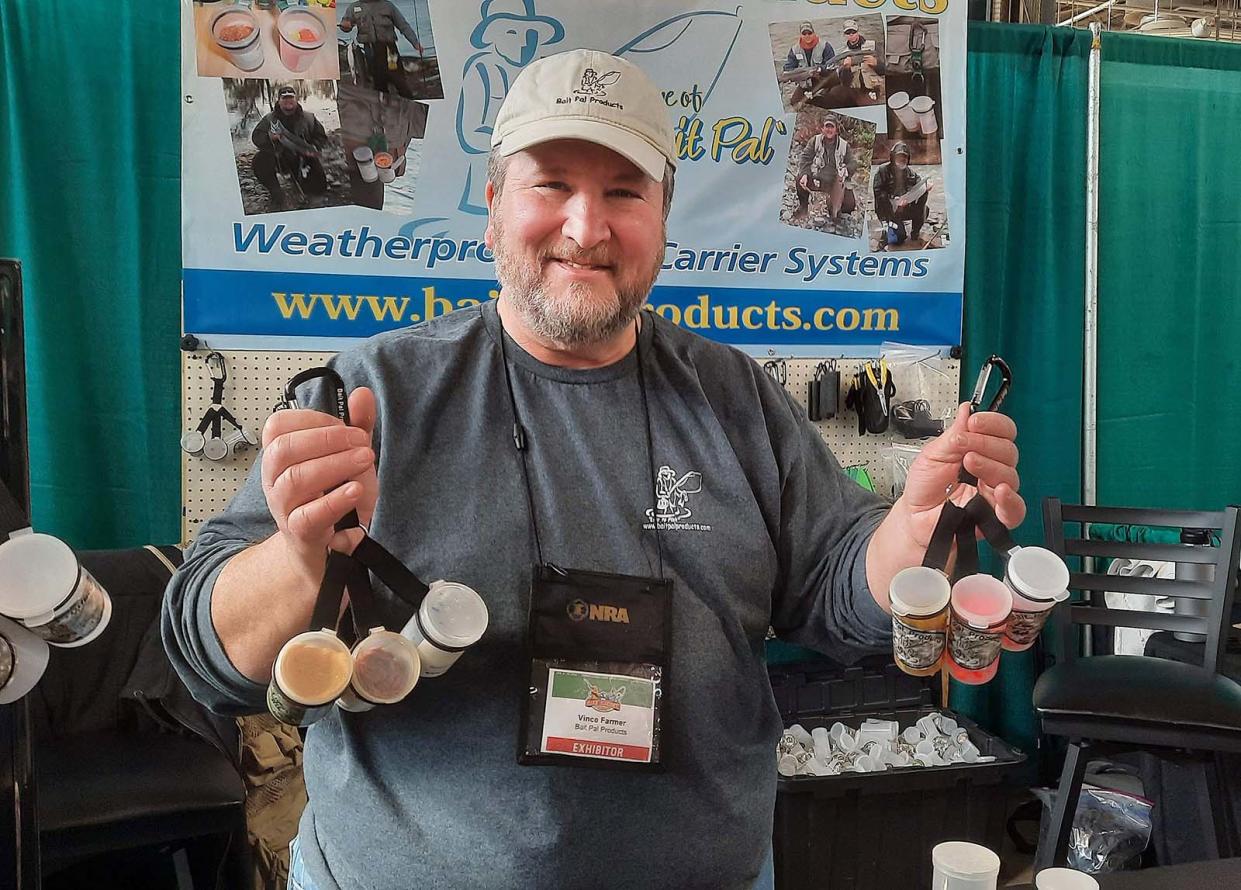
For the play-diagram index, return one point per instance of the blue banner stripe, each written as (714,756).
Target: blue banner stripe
(291,304)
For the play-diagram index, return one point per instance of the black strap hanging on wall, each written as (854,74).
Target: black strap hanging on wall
(823,400)
(209,438)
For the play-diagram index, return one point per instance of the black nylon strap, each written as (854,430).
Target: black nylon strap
(996,533)
(331,591)
(11,516)
(391,571)
(938,550)
(352,569)
(361,600)
(967,549)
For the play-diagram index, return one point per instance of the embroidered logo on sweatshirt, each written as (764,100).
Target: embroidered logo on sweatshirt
(674,500)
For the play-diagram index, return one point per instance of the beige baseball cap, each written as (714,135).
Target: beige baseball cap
(590,95)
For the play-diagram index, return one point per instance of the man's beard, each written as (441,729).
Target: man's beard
(575,316)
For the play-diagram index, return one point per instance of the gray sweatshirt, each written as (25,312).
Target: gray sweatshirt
(428,793)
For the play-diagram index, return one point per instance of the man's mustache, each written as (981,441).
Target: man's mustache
(569,254)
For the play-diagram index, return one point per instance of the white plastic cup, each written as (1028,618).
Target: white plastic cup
(451,619)
(919,596)
(23,659)
(963,866)
(899,103)
(1064,879)
(386,166)
(310,673)
(365,159)
(386,667)
(301,36)
(1038,580)
(924,108)
(45,588)
(980,609)
(237,32)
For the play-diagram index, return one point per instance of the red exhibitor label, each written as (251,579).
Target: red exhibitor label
(561,745)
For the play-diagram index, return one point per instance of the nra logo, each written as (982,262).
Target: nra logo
(580,610)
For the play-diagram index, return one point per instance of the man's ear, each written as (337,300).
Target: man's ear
(489,237)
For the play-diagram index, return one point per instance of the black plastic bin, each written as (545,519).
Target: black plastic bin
(875,831)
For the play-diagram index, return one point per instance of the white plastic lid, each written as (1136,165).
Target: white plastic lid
(919,591)
(958,859)
(400,669)
(37,572)
(317,639)
(921,104)
(981,601)
(1064,879)
(453,614)
(1038,574)
(898,100)
(295,18)
(235,15)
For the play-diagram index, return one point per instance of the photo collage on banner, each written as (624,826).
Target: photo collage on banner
(847,175)
(322,98)
(335,162)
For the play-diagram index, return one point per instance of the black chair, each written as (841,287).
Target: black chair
(1123,702)
(123,758)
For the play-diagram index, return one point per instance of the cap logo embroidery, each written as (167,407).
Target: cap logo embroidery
(594,83)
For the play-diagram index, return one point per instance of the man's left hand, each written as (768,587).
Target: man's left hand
(985,444)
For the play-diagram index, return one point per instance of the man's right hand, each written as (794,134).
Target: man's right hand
(804,182)
(315,470)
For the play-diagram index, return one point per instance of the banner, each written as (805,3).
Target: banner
(335,157)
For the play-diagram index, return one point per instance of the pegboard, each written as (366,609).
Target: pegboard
(256,380)
(255,383)
(942,384)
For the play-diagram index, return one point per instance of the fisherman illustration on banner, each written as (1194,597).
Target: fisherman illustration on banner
(512,33)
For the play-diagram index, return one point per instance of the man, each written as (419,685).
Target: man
(289,140)
(810,55)
(382,122)
(827,165)
(856,75)
(532,427)
(900,195)
(377,22)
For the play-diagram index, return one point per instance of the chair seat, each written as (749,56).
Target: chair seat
(108,779)
(1134,688)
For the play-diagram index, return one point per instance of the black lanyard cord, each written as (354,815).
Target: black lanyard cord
(521,443)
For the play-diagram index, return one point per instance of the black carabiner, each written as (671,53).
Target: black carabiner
(340,398)
(984,377)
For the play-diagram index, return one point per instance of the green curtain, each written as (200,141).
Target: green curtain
(90,164)
(1024,274)
(1169,273)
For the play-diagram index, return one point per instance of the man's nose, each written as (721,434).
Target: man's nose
(586,220)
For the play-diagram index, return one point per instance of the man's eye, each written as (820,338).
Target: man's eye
(558,186)
(625,193)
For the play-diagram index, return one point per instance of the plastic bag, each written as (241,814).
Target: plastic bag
(1110,828)
(919,374)
(898,458)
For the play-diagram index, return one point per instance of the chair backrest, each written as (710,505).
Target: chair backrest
(1093,611)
